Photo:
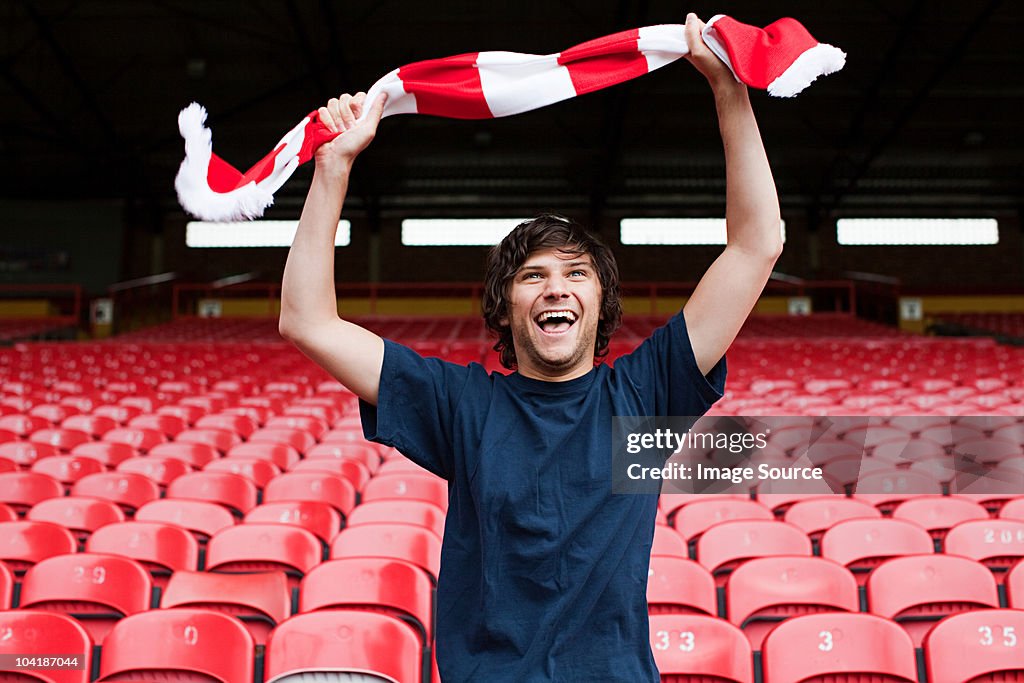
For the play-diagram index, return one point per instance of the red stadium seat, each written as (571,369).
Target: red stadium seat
(140,439)
(938,514)
(260,600)
(332,489)
(679,586)
(23,425)
(694,519)
(264,547)
(110,454)
(186,413)
(161,471)
(724,546)
(259,472)
(668,543)
(127,489)
(160,548)
(314,426)
(862,544)
(393,541)
(25,453)
(817,515)
(80,514)
(299,439)
(364,453)
(1014,582)
(353,470)
(671,503)
(380,585)
(344,641)
(241,425)
(416,512)
(314,516)
(31,632)
(839,646)
(67,469)
(168,425)
(95,589)
(408,486)
(22,490)
(693,647)
(193,454)
(997,543)
(120,414)
(887,488)
(194,645)
(220,439)
(203,519)
(64,439)
(233,491)
(282,455)
(765,591)
(54,413)
(976,646)
(24,543)
(918,590)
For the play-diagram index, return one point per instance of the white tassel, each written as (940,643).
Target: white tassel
(820,60)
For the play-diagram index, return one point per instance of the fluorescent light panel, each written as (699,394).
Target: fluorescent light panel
(675,231)
(917,231)
(253,234)
(456,232)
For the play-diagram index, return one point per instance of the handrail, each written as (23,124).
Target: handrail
(142,282)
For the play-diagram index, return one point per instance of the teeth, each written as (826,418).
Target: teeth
(569,315)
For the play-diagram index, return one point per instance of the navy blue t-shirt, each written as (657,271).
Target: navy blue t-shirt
(543,570)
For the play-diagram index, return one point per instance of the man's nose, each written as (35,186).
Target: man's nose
(557,287)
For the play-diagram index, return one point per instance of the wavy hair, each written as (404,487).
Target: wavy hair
(547,231)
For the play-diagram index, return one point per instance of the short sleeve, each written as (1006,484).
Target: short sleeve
(415,408)
(664,372)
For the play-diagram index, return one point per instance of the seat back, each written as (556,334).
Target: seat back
(694,647)
(26,632)
(983,645)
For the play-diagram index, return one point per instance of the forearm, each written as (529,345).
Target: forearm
(752,203)
(308,297)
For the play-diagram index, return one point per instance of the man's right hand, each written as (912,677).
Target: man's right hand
(342,115)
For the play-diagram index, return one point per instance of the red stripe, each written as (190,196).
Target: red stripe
(604,62)
(447,87)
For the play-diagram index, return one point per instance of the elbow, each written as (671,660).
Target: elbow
(289,329)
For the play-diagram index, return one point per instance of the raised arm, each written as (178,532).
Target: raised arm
(309,304)
(729,289)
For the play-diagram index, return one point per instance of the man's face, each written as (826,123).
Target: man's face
(554,309)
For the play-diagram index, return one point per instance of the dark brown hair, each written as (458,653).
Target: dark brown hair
(547,231)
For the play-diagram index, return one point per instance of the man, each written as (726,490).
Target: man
(543,570)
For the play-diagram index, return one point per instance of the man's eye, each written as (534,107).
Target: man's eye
(531,276)
(578,273)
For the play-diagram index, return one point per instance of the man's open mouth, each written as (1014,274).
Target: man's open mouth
(556,322)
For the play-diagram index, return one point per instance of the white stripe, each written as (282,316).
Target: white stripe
(399,101)
(513,82)
(662,44)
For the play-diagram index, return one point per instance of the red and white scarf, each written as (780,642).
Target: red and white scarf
(782,58)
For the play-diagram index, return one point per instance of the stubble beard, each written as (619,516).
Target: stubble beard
(585,346)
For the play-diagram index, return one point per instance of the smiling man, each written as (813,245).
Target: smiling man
(543,569)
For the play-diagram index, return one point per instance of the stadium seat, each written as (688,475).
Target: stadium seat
(67,469)
(887,488)
(192,454)
(259,472)
(281,455)
(60,437)
(398,541)
(1014,583)
(353,470)
(129,490)
(383,585)
(332,489)
(692,647)
(408,486)
(120,414)
(82,515)
(261,600)
(679,586)
(767,590)
(996,543)
(694,519)
(160,548)
(234,491)
(95,589)
(138,438)
(299,439)
(862,544)
(220,439)
(417,512)
(314,426)
(7,513)
(262,547)
(937,514)
(667,542)
(983,645)
(239,424)
(28,632)
(317,517)
(24,543)
(23,425)
(201,518)
(162,471)
(363,452)
(24,453)
(838,646)
(918,590)
(168,425)
(194,645)
(110,454)
(344,642)
(22,490)
(724,546)
(817,515)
